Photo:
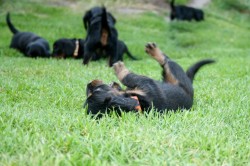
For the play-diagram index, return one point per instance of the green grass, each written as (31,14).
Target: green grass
(42,121)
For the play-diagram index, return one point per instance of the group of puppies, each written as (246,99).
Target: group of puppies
(142,93)
(101,40)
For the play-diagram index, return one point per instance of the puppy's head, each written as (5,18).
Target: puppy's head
(103,98)
(37,50)
(63,48)
(98,97)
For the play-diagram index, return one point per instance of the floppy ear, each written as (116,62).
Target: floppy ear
(91,86)
(113,18)
(86,19)
(116,86)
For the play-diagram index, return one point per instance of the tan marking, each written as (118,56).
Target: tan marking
(169,77)
(120,70)
(104,37)
(96,82)
(156,53)
(136,91)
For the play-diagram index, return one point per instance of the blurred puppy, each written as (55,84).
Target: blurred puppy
(143,93)
(28,43)
(102,37)
(185,13)
(68,48)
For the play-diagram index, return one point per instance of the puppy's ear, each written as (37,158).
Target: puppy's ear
(116,86)
(86,19)
(92,85)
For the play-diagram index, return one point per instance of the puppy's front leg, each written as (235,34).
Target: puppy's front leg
(120,70)
(130,79)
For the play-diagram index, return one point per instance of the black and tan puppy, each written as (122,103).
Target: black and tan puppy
(68,48)
(143,93)
(182,12)
(102,36)
(28,43)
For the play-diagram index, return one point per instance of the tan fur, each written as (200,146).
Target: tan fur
(96,82)
(156,53)
(104,37)
(120,70)
(169,76)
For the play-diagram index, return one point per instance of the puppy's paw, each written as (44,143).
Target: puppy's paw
(150,48)
(120,70)
(118,66)
(154,52)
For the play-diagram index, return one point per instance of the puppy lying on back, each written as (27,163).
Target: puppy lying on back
(68,48)
(142,93)
(182,12)
(28,43)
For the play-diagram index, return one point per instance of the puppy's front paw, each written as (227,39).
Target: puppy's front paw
(118,66)
(120,70)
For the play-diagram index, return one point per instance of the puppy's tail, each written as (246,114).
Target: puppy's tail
(10,25)
(172,4)
(194,68)
(130,55)
(105,20)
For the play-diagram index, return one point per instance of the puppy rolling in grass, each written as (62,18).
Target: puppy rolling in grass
(173,93)
(28,43)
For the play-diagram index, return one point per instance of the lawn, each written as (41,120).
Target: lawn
(42,121)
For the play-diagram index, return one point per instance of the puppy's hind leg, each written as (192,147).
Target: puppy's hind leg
(172,72)
(163,60)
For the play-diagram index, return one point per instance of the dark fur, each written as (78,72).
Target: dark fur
(163,96)
(28,43)
(64,48)
(95,22)
(182,12)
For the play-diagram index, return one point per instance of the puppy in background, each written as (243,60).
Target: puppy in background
(102,37)
(28,43)
(182,12)
(68,48)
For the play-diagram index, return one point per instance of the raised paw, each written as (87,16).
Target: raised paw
(120,70)
(150,48)
(154,52)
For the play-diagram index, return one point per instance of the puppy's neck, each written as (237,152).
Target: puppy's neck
(76,48)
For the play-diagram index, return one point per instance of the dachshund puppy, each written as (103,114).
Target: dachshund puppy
(68,48)
(28,43)
(74,48)
(143,93)
(182,12)
(102,37)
